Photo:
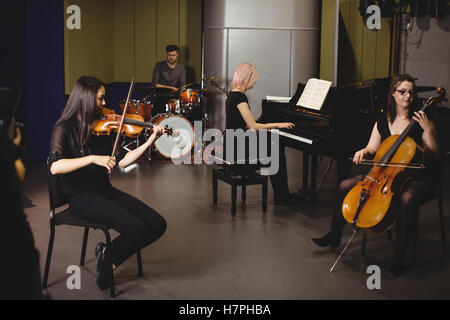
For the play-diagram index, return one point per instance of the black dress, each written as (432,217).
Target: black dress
(417,191)
(91,195)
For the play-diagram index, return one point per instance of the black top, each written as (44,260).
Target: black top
(65,145)
(233,115)
(165,75)
(383,129)
(430,171)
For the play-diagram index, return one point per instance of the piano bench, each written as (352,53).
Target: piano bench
(235,180)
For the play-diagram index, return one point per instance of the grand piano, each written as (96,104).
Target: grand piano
(342,126)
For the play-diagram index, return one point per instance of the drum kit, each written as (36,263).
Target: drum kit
(176,110)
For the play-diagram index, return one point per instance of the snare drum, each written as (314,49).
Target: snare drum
(140,107)
(189,98)
(173,106)
(170,146)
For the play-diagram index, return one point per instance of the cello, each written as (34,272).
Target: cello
(370,206)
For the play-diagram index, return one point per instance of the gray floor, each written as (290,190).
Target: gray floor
(207,254)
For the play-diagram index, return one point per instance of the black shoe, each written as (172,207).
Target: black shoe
(397,269)
(330,239)
(103,267)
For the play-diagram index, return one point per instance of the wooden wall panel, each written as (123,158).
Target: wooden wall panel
(88,51)
(145,45)
(363,53)
(327,39)
(168,26)
(383,49)
(124,40)
(121,38)
(191,38)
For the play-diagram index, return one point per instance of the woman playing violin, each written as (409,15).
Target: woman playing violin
(83,161)
(421,188)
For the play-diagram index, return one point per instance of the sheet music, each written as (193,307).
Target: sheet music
(314,94)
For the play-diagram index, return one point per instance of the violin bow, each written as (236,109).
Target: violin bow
(392,164)
(130,91)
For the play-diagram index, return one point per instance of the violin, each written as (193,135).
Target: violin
(369,206)
(133,124)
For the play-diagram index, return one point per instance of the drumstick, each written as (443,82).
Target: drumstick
(187,85)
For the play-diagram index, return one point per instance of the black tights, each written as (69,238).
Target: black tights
(414,194)
(138,224)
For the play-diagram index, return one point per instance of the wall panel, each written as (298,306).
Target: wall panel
(123,41)
(145,32)
(88,51)
(121,38)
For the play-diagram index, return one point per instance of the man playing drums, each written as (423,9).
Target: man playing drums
(169,74)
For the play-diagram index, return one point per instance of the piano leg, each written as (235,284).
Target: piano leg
(313,189)
(309,191)
(305,173)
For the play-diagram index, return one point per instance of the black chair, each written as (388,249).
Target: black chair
(235,179)
(66,217)
(440,197)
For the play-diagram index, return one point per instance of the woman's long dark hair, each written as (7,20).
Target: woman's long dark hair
(390,105)
(80,106)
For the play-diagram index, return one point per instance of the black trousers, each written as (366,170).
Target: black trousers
(138,224)
(279,180)
(414,194)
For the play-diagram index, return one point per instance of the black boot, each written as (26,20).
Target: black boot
(103,266)
(330,239)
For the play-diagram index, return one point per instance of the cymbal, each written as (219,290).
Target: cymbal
(212,79)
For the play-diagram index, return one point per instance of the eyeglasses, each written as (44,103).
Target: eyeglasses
(404,92)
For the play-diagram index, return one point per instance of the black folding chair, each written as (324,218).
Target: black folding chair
(65,217)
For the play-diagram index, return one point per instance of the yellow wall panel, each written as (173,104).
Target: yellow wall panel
(369,50)
(122,38)
(327,39)
(191,38)
(145,45)
(383,49)
(123,47)
(168,26)
(363,53)
(88,51)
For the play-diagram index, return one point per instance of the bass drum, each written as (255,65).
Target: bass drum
(170,146)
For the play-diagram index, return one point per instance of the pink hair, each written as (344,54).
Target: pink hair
(245,75)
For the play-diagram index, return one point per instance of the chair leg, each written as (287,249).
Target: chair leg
(264,196)
(139,263)
(49,255)
(363,244)
(84,245)
(214,182)
(244,193)
(441,218)
(112,285)
(233,200)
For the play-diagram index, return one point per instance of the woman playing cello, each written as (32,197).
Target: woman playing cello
(421,188)
(83,161)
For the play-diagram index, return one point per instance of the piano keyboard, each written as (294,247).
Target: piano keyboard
(289,135)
